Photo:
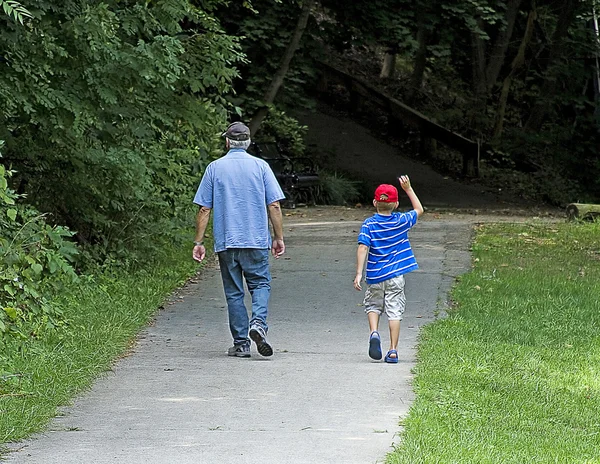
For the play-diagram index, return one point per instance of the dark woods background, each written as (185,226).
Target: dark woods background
(109,111)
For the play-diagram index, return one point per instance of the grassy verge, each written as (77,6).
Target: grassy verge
(513,374)
(105,314)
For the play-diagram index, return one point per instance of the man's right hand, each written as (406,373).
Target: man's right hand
(199,253)
(278,248)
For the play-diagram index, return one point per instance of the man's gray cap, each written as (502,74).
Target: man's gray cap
(237,131)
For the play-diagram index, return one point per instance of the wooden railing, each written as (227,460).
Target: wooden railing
(361,91)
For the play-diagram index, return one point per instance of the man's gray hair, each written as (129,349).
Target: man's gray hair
(243,144)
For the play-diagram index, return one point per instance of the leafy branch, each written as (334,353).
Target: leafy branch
(15,9)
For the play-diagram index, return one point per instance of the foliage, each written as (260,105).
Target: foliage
(35,261)
(110,111)
(371,23)
(286,131)
(335,189)
(510,375)
(470,59)
(15,9)
(266,30)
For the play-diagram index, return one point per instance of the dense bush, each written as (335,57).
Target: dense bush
(335,189)
(285,130)
(35,260)
(110,110)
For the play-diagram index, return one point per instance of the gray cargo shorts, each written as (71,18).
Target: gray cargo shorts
(387,296)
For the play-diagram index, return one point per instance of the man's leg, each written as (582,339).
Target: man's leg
(255,264)
(233,285)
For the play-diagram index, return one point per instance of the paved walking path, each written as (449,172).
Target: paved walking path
(179,399)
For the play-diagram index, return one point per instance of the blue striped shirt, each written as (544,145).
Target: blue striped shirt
(390,253)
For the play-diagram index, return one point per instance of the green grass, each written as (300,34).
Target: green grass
(513,374)
(105,314)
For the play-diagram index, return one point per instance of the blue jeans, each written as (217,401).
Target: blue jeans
(252,265)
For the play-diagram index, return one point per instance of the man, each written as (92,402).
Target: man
(244,194)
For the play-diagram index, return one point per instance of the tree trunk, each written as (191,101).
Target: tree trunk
(416,79)
(518,61)
(498,53)
(284,65)
(478,53)
(548,89)
(596,78)
(479,82)
(389,63)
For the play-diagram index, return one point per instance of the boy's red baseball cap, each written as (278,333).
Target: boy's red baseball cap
(386,193)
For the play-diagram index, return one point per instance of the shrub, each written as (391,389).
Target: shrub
(334,189)
(35,260)
(285,130)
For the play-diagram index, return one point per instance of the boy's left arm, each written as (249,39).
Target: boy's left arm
(361,256)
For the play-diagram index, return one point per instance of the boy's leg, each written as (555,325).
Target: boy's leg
(373,306)
(394,336)
(395,303)
(373,303)
(373,321)
(374,338)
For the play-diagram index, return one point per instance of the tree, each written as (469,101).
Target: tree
(566,15)
(111,109)
(284,65)
(516,64)
(426,23)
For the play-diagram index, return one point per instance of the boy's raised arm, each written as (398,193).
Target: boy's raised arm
(412,196)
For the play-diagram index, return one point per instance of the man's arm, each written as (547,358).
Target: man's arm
(202,217)
(276,217)
(361,256)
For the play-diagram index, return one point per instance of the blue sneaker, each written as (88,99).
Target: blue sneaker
(375,346)
(259,336)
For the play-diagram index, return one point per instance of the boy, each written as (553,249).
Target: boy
(383,239)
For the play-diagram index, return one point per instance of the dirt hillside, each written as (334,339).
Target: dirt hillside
(351,148)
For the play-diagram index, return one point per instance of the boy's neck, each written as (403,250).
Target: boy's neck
(384,213)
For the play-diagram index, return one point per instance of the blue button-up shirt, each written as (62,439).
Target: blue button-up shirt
(238,187)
